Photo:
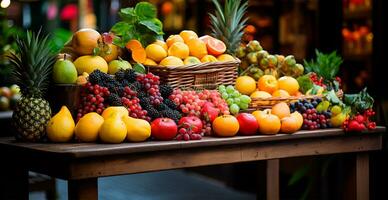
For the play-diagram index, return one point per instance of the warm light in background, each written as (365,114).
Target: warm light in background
(5,3)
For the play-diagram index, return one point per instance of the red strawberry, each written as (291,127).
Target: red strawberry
(209,112)
(359,118)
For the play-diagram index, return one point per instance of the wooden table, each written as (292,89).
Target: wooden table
(82,163)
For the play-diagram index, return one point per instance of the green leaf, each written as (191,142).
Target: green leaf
(145,10)
(305,83)
(299,174)
(359,102)
(139,68)
(153,25)
(128,15)
(333,98)
(122,28)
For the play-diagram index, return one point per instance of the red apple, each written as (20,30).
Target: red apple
(192,122)
(164,129)
(209,112)
(248,124)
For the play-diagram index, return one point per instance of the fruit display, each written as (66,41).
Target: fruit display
(257,62)
(9,96)
(234,99)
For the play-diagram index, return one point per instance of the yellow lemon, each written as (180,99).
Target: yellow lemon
(138,130)
(162,44)
(191,60)
(88,126)
(113,130)
(172,39)
(90,63)
(209,58)
(187,35)
(155,52)
(179,49)
(150,62)
(260,94)
(197,48)
(245,85)
(225,58)
(171,61)
(61,127)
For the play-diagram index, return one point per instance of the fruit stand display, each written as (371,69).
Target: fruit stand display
(134,86)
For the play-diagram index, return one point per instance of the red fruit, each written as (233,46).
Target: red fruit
(195,124)
(353,125)
(164,129)
(248,124)
(360,119)
(209,112)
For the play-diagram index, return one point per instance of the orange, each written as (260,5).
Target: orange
(206,38)
(268,83)
(245,85)
(188,35)
(258,114)
(162,44)
(133,45)
(197,48)
(179,49)
(225,126)
(86,130)
(84,41)
(288,84)
(268,123)
(150,62)
(208,58)
(171,61)
(191,60)
(225,58)
(155,52)
(280,93)
(298,117)
(261,94)
(215,47)
(281,110)
(172,39)
(289,125)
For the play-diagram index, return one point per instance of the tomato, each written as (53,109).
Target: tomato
(164,129)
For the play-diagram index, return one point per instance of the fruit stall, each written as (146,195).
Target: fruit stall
(136,100)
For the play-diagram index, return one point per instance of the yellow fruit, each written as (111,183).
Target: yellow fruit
(114,53)
(150,62)
(197,48)
(208,58)
(60,128)
(280,93)
(191,60)
(188,35)
(245,85)
(88,126)
(155,52)
(281,110)
(121,110)
(225,58)
(113,130)
(288,84)
(261,94)
(162,44)
(179,49)
(267,83)
(84,41)
(90,63)
(172,39)
(138,130)
(171,61)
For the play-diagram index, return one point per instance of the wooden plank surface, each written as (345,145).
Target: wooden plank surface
(78,150)
(273,179)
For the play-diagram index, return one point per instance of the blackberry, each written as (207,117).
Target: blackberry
(114,100)
(162,107)
(151,111)
(144,101)
(172,114)
(120,75)
(166,90)
(136,86)
(170,104)
(130,75)
(95,77)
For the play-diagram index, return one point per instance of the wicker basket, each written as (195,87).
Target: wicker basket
(199,76)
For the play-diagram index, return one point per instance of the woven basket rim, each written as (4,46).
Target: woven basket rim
(195,66)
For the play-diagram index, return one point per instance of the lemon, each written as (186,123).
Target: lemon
(150,62)
(191,60)
(162,44)
(225,58)
(208,58)
(138,130)
(88,126)
(61,127)
(155,52)
(171,61)
(245,85)
(90,63)
(113,130)
(179,49)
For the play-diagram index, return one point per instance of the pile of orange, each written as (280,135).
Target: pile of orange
(178,50)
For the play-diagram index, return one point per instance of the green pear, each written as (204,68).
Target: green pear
(64,72)
(116,65)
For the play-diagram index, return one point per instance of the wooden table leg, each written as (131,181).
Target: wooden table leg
(13,182)
(84,189)
(273,179)
(362,176)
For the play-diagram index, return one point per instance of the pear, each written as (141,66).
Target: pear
(113,130)
(61,127)
(138,130)
(64,72)
(116,65)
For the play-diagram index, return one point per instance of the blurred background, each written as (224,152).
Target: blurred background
(356,29)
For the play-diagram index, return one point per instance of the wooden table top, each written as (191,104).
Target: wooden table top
(81,150)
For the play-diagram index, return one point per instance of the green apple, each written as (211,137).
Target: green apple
(4,103)
(116,65)
(15,89)
(64,72)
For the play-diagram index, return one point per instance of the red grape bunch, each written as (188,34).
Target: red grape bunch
(131,102)
(92,99)
(151,83)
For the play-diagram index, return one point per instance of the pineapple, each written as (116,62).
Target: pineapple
(32,67)
(228,24)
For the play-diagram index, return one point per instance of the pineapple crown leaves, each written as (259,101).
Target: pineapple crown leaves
(227,23)
(325,65)
(32,66)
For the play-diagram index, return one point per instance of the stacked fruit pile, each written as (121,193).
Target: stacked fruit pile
(257,62)
(9,96)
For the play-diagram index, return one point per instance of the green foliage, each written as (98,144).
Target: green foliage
(227,23)
(139,68)
(305,83)
(359,102)
(138,23)
(59,38)
(333,98)
(325,65)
